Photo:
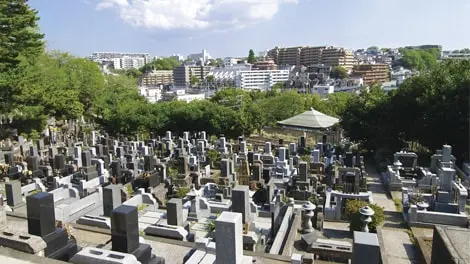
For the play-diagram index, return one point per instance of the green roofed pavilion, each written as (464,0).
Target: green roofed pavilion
(309,120)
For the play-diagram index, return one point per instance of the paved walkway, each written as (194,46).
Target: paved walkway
(398,247)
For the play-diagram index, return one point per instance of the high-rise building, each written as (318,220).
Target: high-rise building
(182,74)
(260,80)
(156,78)
(296,56)
(372,73)
(121,60)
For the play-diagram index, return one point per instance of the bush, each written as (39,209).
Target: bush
(354,217)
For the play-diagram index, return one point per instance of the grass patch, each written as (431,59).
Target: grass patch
(398,205)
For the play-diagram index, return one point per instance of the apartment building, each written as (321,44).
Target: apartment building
(182,74)
(295,56)
(112,56)
(333,56)
(265,65)
(152,94)
(259,79)
(372,73)
(311,55)
(156,78)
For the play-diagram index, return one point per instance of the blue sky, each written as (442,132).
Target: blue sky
(232,27)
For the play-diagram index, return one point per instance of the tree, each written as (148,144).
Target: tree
(19,36)
(19,39)
(132,72)
(160,64)
(251,56)
(338,72)
(210,79)
(194,80)
(354,217)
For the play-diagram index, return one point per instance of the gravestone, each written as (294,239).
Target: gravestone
(149,163)
(224,168)
(366,248)
(257,172)
(41,214)
(9,158)
(59,161)
(41,222)
(303,171)
(111,198)
(125,229)
(33,151)
(174,211)
(86,159)
(229,243)
(13,193)
(33,163)
(241,202)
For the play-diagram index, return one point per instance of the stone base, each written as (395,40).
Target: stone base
(309,239)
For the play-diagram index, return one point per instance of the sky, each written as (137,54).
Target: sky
(232,27)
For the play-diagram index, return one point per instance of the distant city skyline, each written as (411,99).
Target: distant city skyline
(82,27)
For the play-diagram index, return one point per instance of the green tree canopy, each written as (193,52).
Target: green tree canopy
(194,80)
(422,110)
(20,44)
(160,64)
(251,56)
(338,72)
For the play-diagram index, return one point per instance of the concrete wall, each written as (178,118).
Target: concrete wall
(71,212)
(64,193)
(431,217)
(64,181)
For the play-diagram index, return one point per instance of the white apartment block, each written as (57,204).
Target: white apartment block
(109,56)
(260,80)
(152,94)
(128,63)
(322,90)
(203,56)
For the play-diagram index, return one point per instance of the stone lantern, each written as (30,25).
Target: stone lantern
(366,217)
(307,215)
(397,165)
(422,206)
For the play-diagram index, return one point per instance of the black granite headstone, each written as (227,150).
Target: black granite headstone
(41,215)
(251,157)
(33,163)
(59,161)
(9,158)
(149,163)
(116,168)
(86,159)
(348,162)
(266,174)
(125,229)
(105,150)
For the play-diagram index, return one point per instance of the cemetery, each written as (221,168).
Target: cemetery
(218,200)
(433,195)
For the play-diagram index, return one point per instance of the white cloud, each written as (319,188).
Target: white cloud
(193,14)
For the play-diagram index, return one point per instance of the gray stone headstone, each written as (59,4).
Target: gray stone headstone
(241,202)
(13,192)
(229,238)
(366,248)
(174,211)
(111,198)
